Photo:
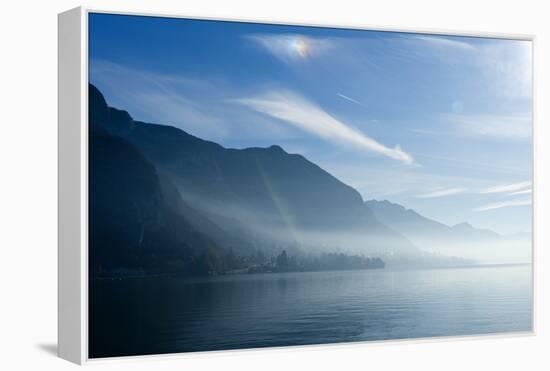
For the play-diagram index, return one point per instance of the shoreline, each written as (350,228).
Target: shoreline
(181,275)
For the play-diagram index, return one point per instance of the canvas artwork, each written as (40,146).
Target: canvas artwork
(259,185)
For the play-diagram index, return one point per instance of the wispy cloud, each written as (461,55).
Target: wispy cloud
(441,41)
(505,65)
(499,205)
(496,126)
(506,188)
(298,111)
(349,99)
(524,192)
(157,97)
(198,106)
(442,193)
(291,47)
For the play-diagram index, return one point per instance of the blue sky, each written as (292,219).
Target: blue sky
(439,124)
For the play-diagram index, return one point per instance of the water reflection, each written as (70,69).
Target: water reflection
(148,316)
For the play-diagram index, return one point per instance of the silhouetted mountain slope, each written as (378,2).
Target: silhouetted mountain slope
(125,202)
(138,221)
(278,187)
(255,197)
(132,226)
(230,239)
(268,180)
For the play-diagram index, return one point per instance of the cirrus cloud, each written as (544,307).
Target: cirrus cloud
(522,192)
(492,126)
(514,187)
(500,205)
(300,112)
(445,42)
(442,192)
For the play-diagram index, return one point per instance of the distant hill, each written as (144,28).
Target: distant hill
(419,228)
(463,240)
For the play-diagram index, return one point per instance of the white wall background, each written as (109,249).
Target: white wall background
(28,184)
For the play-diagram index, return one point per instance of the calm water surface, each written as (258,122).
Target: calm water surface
(153,315)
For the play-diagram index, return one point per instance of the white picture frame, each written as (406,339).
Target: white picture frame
(73,171)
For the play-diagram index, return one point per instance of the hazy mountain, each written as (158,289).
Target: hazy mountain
(255,197)
(418,227)
(278,187)
(464,240)
(201,199)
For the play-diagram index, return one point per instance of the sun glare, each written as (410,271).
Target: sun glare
(300,46)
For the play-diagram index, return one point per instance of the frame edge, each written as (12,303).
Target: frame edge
(71,292)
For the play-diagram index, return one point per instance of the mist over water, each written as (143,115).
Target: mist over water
(501,251)
(419,247)
(265,310)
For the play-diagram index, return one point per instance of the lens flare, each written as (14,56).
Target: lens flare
(300,46)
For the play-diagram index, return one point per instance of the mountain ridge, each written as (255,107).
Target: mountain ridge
(263,199)
(285,196)
(404,214)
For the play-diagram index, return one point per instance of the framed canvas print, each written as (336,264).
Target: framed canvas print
(232,185)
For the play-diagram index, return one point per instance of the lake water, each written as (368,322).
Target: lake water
(169,315)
